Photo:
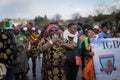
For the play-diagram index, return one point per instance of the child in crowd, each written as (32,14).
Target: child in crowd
(20,68)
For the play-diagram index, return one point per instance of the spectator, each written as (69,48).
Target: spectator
(104,33)
(71,35)
(20,68)
(87,54)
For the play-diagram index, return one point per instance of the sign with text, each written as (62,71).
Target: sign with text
(106,58)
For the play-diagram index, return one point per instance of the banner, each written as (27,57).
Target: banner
(106,58)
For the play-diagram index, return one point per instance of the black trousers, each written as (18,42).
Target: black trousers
(71,71)
(34,66)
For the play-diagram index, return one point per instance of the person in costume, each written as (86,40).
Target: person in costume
(19,35)
(21,38)
(54,48)
(34,38)
(87,56)
(8,48)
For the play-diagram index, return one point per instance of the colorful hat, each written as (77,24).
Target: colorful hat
(112,26)
(46,34)
(7,24)
(35,36)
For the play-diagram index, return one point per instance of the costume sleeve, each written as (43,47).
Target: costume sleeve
(40,44)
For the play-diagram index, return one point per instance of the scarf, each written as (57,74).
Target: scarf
(67,34)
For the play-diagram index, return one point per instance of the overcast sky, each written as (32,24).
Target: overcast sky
(31,8)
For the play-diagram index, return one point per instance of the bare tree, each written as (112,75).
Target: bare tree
(76,16)
(45,17)
(116,7)
(57,16)
(102,9)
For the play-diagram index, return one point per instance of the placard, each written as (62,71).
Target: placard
(106,58)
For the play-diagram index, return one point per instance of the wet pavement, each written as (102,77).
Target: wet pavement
(38,70)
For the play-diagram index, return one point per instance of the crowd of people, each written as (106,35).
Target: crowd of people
(64,51)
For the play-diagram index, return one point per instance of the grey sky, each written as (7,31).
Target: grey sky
(32,8)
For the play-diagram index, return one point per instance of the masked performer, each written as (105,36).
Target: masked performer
(54,54)
(34,38)
(7,48)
